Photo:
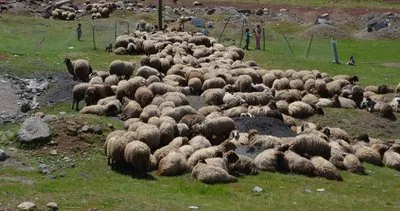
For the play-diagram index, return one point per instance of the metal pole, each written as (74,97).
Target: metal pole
(128,27)
(159,14)
(287,42)
(94,42)
(335,53)
(227,21)
(241,35)
(263,39)
(309,45)
(115,31)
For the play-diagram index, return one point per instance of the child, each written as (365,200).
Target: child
(79,31)
(247,36)
(351,61)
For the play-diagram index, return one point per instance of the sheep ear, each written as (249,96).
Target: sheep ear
(232,157)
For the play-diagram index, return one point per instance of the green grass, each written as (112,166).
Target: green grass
(92,184)
(321,3)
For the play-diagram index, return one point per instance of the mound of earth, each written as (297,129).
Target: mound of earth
(324,31)
(264,126)
(392,33)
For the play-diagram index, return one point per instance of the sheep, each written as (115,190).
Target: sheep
(310,99)
(240,165)
(218,162)
(186,151)
(144,96)
(172,164)
(78,93)
(353,164)
(149,134)
(149,47)
(296,84)
(137,154)
(213,96)
(115,147)
(178,98)
(167,132)
(210,174)
(80,69)
(192,119)
(281,84)
(300,109)
(216,129)
(269,160)
(263,141)
(131,110)
(183,130)
(122,68)
(113,108)
(199,142)
(213,83)
(178,112)
(311,145)
(325,169)
(347,103)
(297,164)
(96,92)
(146,71)
(120,51)
(369,155)
(337,133)
(148,112)
(391,159)
(111,80)
(209,152)
(333,88)
(395,103)
(243,83)
(384,109)
(96,80)
(93,109)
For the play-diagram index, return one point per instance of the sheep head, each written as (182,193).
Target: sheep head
(91,95)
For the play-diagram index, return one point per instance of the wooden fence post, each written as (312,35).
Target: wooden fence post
(115,31)
(309,45)
(287,42)
(241,36)
(227,21)
(263,30)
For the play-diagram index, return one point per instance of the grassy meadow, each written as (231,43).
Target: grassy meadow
(33,45)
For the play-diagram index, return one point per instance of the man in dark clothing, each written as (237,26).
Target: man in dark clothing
(79,31)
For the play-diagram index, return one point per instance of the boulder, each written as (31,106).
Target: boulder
(3,155)
(34,129)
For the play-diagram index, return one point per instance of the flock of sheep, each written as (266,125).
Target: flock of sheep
(164,133)
(97,10)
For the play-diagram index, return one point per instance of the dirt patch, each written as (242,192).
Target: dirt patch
(264,126)
(60,88)
(391,65)
(9,99)
(3,57)
(324,31)
(67,143)
(391,33)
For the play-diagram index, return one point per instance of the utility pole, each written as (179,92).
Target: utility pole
(160,26)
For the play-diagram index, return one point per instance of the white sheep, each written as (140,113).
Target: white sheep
(80,69)
(137,154)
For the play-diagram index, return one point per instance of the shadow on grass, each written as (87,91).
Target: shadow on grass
(126,169)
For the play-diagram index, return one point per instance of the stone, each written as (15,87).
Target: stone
(29,206)
(25,107)
(39,114)
(49,118)
(72,128)
(211,11)
(33,130)
(53,152)
(85,128)
(96,129)
(45,169)
(3,155)
(257,189)
(259,12)
(52,206)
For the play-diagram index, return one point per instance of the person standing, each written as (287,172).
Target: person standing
(247,36)
(79,31)
(257,32)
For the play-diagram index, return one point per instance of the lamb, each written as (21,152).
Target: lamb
(326,169)
(269,160)
(78,93)
(210,174)
(172,164)
(122,68)
(297,164)
(96,92)
(137,154)
(352,164)
(80,69)
(311,145)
